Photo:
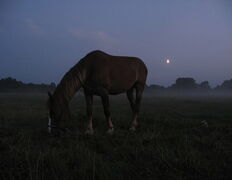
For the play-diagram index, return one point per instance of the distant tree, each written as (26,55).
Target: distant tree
(12,85)
(227,84)
(185,83)
(204,85)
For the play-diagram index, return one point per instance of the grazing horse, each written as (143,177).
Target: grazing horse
(99,74)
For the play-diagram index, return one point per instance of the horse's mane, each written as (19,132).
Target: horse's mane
(68,85)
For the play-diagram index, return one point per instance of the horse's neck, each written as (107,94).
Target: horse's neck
(72,82)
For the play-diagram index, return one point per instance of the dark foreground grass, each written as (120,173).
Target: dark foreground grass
(171,142)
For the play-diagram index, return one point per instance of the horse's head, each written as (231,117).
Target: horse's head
(58,112)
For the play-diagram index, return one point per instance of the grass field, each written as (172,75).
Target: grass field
(171,142)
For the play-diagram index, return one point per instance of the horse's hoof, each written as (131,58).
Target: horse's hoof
(89,132)
(110,131)
(132,128)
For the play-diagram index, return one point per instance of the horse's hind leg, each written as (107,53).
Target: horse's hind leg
(89,109)
(130,96)
(139,92)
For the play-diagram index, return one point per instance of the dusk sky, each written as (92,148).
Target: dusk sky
(42,39)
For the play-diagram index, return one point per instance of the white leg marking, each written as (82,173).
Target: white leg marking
(110,131)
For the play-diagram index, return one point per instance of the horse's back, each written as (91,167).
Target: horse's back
(116,73)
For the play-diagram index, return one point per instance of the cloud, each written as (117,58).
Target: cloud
(34,27)
(101,38)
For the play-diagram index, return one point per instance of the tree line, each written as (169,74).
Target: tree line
(12,85)
(188,83)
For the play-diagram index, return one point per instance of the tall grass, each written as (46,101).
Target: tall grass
(171,142)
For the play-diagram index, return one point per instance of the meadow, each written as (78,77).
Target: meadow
(179,137)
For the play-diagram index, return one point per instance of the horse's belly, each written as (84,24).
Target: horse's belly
(120,87)
(118,91)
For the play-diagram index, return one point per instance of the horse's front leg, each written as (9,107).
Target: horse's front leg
(89,110)
(106,105)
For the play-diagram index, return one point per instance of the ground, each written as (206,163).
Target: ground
(178,138)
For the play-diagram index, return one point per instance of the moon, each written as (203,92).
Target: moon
(168,61)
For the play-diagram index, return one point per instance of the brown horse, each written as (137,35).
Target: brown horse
(103,75)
